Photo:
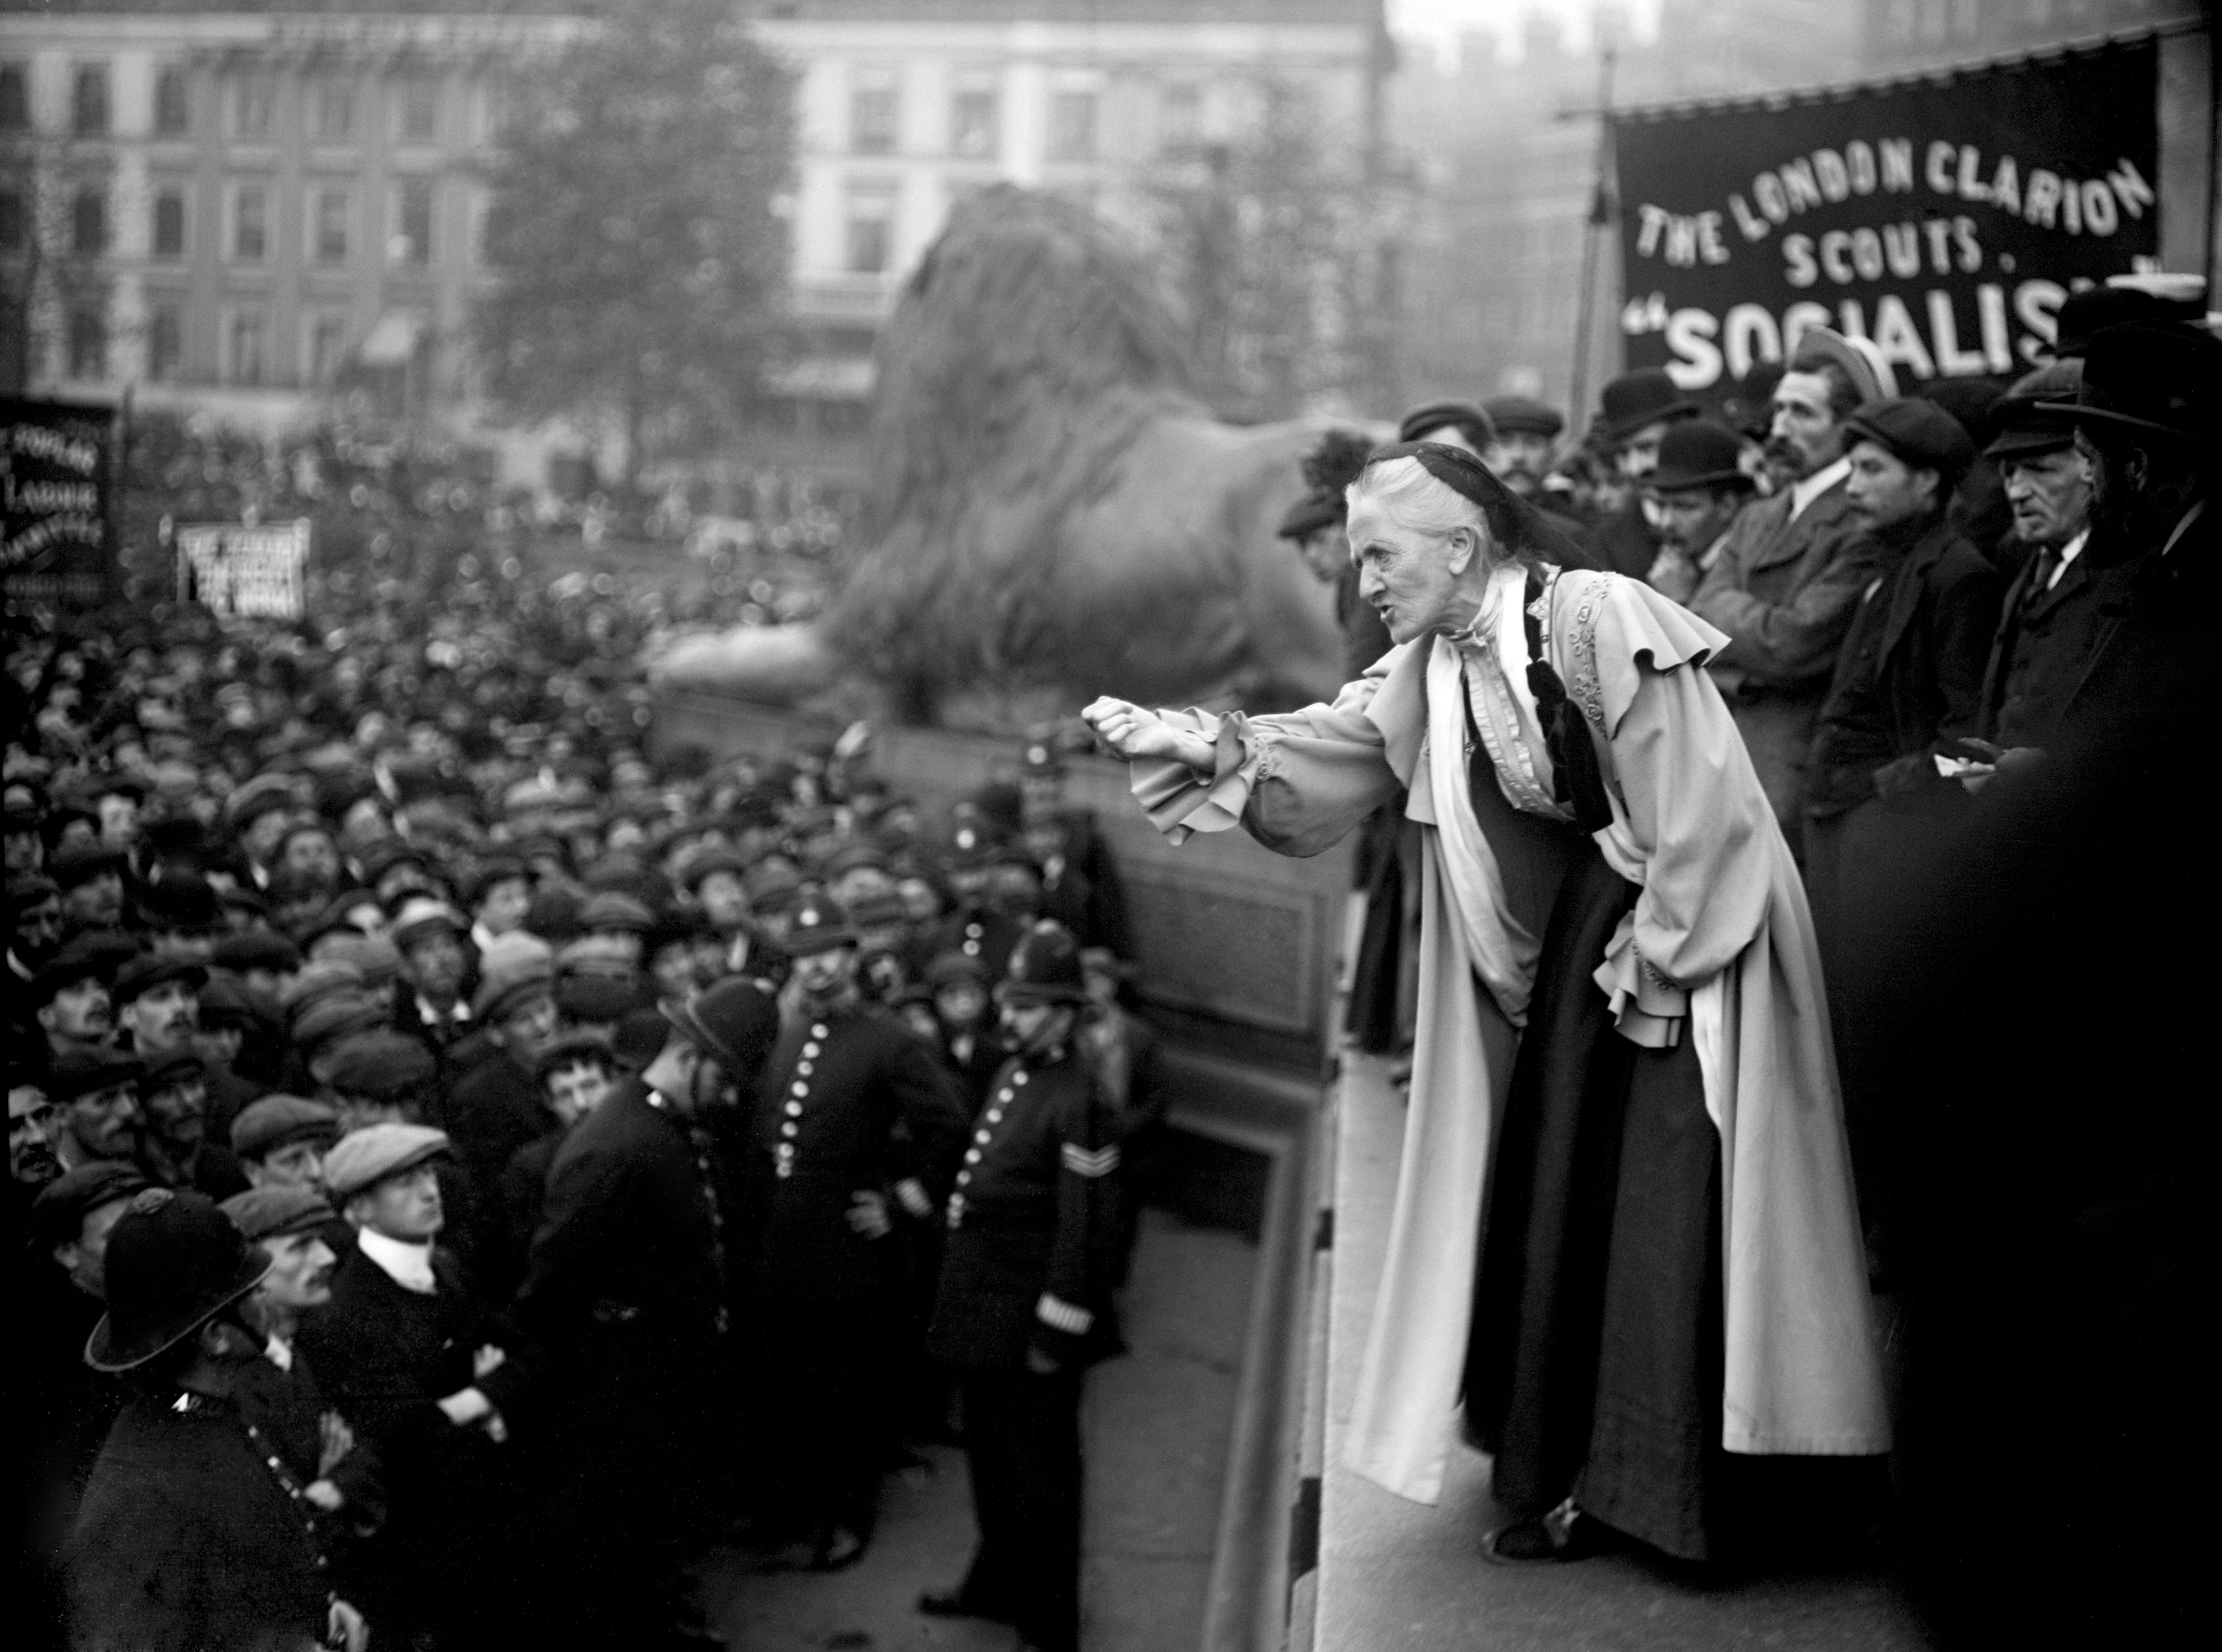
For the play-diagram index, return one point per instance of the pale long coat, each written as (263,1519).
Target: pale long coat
(1721,912)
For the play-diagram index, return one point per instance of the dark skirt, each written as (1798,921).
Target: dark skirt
(1594,1360)
(1374,1018)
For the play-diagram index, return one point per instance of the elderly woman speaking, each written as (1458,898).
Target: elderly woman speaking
(1624,1232)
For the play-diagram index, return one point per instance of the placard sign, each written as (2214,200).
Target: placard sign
(243,572)
(55,546)
(1943,217)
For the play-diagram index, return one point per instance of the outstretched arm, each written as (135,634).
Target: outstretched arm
(1131,732)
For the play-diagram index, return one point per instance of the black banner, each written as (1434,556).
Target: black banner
(1943,218)
(55,471)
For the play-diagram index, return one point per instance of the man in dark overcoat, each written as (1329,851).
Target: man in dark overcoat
(408,1353)
(1025,1299)
(627,1292)
(857,1126)
(1907,689)
(197,1529)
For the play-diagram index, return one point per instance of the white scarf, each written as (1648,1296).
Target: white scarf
(1500,951)
(409,1265)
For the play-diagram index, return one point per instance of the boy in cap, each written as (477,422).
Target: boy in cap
(196,1528)
(280,1140)
(1025,1300)
(408,1354)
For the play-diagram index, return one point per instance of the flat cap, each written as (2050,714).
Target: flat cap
(58,1214)
(379,1064)
(333,1017)
(604,956)
(363,1158)
(275,1122)
(1523,416)
(29,889)
(275,1212)
(253,798)
(377,959)
(2028,430)
(611,909)
(74,962)
(699,863)
(80,863)
(177,1067)
(1917,433)
(256,949)
(501,991)
(1469,421)
(87,1072)
(325,978)
(147,971)
(422,915)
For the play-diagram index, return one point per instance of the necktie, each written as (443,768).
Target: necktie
(2040,577)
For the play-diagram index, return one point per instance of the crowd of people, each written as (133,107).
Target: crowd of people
(466,1167)
(1728,832)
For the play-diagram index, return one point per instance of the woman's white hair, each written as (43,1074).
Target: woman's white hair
(1404,492)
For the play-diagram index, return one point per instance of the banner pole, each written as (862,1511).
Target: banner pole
(1600,215)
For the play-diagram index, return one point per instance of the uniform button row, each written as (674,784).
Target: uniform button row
(810,1050)
(818,1031)
(798,1089)
(979,1136)
(804,1068)
(971,1155)
(788,1129)
(794,1109)
(1020,1077)
(994,1116)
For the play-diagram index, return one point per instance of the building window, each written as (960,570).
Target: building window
(173,110)
(250,224)
(89,101)
(14,97)
(1180,119)
(874,112)
(333,111)
(249,365)
(169,223)
(165,340)
(12,220)
(1072,126)
(327,347)
(417,118)
(411,241)
(89,221)
(871,218)
(88,342)
(972,110)
(254,100)
(332,212)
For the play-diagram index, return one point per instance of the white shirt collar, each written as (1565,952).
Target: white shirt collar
(2069,553)
(408,1265)
(279,1352)
(1803,494)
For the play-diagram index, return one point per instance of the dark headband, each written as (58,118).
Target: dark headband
(1456,468)
(1517,523)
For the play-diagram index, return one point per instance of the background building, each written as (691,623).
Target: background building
(241,206)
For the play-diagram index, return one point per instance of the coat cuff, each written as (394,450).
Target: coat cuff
(1059,1315)
(1648,1008)
(1177,799)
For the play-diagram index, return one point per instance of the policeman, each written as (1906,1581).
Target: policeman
(1024,1306)
(857,1128)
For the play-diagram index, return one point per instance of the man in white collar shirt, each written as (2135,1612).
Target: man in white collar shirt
(1790,572)
(406,1352)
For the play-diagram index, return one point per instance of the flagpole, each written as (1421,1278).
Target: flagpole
(1600,215)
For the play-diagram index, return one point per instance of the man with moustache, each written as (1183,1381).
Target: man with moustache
(1700,487)
(91,878)
(1791,570)
(97,1092)
(158,1007)
(1521,456)
(69,1002)
(35,923)
(174,1148)
(857,1127)
(1636,411)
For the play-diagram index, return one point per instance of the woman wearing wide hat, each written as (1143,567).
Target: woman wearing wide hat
(195,1530)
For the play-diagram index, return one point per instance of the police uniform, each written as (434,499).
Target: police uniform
(1024,1307)
(851,1101)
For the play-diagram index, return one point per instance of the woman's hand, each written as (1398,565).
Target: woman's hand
(1130,731)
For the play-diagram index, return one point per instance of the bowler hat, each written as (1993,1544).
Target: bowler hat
(1647,396)
(363,1158)
(2026,429)
(819,926)
(734,1020)
(2161,378)
(1463,416)
(1522,416)
(274,1212)
(1698,453)
(1917,433)
(58,1214)
(1045,968)
(174,1262)
(2083,316)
